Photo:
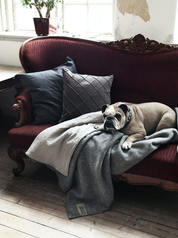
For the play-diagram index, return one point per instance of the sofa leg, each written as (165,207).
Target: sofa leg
(16,155)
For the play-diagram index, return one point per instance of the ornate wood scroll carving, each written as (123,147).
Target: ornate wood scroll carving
(16,155)
(140,44)
(135,179)
(18,106)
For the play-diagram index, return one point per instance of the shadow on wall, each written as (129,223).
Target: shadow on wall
(7,116)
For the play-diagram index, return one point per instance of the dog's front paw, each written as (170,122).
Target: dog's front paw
(99,127)
(126,145)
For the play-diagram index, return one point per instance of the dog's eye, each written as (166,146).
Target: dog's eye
(104,115)
(118,116)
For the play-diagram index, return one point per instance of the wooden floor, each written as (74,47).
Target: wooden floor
(32,205)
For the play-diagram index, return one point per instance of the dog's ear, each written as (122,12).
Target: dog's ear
(104,107)
(124,108)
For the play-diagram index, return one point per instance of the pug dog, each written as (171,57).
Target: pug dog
(137,120)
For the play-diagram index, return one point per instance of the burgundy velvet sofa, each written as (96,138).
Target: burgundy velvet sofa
(144,71)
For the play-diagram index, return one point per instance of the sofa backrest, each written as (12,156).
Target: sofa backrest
(143,70)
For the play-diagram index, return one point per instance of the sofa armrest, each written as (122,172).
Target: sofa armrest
(23,105)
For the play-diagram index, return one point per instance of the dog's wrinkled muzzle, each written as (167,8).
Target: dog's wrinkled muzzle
(109,126)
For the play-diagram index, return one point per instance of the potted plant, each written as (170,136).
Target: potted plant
(41,23)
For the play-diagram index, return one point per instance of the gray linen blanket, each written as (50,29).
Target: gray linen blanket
(99,154)
(55,145)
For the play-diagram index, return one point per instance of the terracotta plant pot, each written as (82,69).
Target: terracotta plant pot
(41,26)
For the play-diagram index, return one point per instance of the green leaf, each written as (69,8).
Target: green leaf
(40,4)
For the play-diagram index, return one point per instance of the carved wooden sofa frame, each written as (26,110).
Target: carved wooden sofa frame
(138,45)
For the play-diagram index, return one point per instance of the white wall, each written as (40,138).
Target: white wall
(10,52)
(155,19)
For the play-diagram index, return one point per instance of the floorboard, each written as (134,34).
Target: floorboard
(33,205)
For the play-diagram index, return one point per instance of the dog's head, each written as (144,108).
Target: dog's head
(115,116)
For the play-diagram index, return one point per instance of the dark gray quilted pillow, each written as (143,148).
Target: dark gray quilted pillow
(84,93)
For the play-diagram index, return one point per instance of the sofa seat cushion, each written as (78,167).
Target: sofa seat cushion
(22,137)
(162,164)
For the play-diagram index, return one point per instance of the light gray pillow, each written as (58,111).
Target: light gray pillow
(84,93)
